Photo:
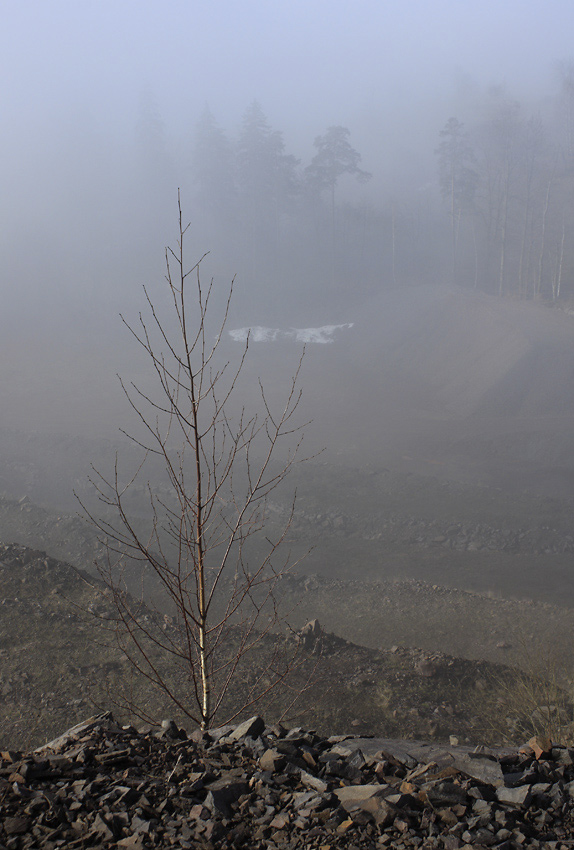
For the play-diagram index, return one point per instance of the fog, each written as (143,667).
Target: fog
(387,188)
(109,109)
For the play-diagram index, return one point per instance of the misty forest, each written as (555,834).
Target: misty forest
(481,200)
(487,206)
(496,220)
(334,483)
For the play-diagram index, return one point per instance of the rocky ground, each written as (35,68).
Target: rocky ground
(441,526)
(271,788)
(508,598)
(463,582)
(60,659)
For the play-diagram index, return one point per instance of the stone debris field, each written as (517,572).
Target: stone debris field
(104,785)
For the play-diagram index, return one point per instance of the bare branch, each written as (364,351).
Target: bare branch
(219,461)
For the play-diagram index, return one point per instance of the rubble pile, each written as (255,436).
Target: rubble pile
(105,785)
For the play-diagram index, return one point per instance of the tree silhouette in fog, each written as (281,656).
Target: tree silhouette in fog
(335,157)
(267,182)
(213,170)
(265,173)
(458,178)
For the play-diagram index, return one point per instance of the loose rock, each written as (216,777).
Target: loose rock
(104,786)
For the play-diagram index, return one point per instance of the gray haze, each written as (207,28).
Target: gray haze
(390,186)
(101,104)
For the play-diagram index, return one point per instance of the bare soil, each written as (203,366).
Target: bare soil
(440,516)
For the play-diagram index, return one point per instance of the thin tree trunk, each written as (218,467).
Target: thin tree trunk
(521,263)
(503,238)
(333,236)
(538,287)
(560,262)
(453,225)
(475,255)
(394,242)
(199,521)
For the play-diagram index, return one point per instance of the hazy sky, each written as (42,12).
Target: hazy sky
(327,60)
(73,74)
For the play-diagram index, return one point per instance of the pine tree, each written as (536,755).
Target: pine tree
(213,170)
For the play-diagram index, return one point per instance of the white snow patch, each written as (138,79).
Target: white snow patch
(258,333)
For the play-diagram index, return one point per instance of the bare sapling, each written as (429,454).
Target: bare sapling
(217,629)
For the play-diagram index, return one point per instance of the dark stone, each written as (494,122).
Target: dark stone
(444,793)
(102,784)
(222,793)
(16,825)
(251,728)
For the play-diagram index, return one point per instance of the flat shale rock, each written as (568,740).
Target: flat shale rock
(354,796)
(101,785)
